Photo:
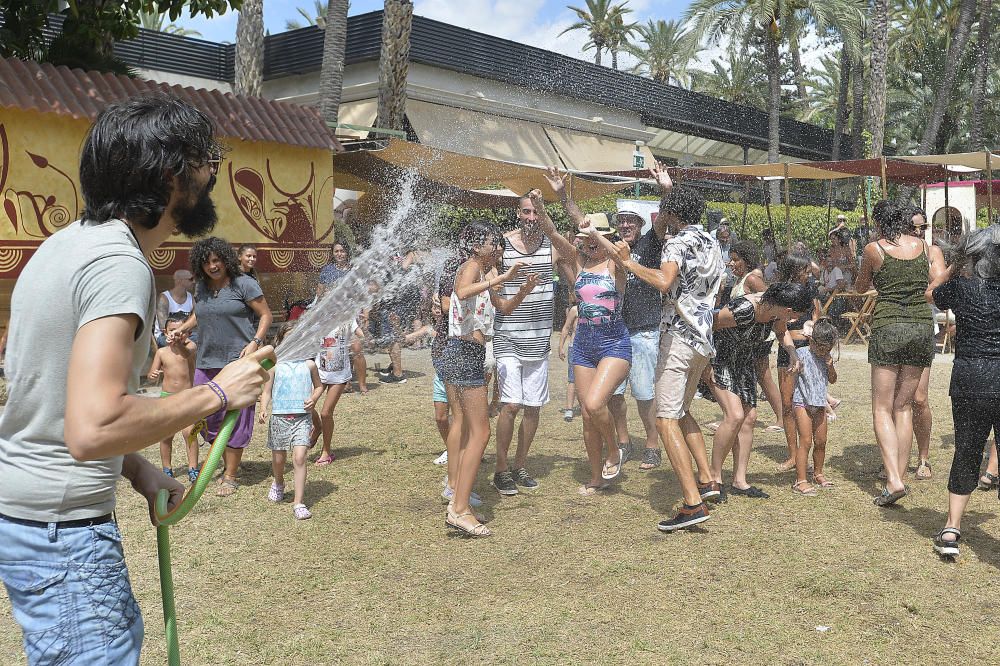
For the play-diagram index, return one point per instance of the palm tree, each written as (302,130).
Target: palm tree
(249,66)
(742,20)
(331,75)
(982,71)
(665,52)
(600,19)
(316,18)
(397,20)
(956,50)
(877,85)
(155,22)
(618,39)
(738,80)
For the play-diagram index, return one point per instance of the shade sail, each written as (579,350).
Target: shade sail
(361,113)
(589,152)
(361,170)
(479,134)
(974,161)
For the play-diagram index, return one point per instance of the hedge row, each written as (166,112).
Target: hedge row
(809,223)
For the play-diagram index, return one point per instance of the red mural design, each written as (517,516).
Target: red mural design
(290,220)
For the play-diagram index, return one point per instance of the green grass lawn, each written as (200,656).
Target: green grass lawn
(375,578)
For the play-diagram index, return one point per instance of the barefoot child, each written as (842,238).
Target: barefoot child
(334,365)
(290,395)
(566,335)
(809,403)
(174,364)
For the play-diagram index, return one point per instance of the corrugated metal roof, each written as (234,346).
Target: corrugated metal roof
(81,94)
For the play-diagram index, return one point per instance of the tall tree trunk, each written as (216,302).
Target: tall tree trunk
(331,75)
(959,40)
(799,71)
(614,59)
(597,54)
(858,110)
(876,85)
(840,120)
(773,104)
(982,71)
(397,19)
(249,71)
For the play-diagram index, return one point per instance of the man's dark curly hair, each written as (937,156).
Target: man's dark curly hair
(685,203)
(131,151)
(222,248)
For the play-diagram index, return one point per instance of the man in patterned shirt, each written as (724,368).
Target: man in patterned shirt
(689,276)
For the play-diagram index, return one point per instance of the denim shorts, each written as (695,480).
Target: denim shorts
(70,592)
(592,343)
(462,362)
(439,393)
(642,373)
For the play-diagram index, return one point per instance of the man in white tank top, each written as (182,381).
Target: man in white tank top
(176,299)
(521,347)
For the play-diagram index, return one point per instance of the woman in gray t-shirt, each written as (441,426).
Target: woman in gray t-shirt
(232,317)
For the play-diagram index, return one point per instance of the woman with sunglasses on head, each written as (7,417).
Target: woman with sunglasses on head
(232,317)
(901,345)
(460,365)
(602,349)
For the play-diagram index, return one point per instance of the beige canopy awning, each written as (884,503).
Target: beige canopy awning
(479,134)
(476,176)
(589,152)
(361,112)
(965,161)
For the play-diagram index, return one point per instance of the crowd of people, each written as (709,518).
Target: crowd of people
(669,313)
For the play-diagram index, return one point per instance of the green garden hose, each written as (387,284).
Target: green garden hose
(168,518)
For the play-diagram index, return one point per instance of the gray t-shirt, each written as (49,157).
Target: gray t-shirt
(224,321)
(85,272)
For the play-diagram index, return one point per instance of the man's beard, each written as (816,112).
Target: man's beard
(199,218)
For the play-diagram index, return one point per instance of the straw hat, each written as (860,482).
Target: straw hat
(600,222)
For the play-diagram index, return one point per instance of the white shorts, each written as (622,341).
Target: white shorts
(524,383)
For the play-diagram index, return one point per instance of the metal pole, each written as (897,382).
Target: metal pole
(788,213)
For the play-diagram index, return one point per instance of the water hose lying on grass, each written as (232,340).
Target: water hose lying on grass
(168,518)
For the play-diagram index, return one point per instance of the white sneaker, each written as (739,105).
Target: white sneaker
(448,494)
(441,459)
(567,415)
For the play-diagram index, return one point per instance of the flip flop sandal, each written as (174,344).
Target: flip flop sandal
(786,466)
(323,460)
(606,474)
(923,470)
(651,459)
(808,492)
(889,499)
(774,428)
(480,530)
(993,481)
(713,426)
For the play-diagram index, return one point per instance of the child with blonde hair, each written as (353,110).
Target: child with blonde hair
(809,403)
(290,396)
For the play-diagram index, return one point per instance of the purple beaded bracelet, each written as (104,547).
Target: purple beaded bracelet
(219,392)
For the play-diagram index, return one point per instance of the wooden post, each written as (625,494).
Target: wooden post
(829,209)
(864,201)
(885,185)
(947,206)
(788,213)
(746,205)
(989,187)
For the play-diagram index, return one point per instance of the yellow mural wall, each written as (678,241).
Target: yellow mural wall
(276,196)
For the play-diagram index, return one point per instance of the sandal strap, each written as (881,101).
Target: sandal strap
(950,530)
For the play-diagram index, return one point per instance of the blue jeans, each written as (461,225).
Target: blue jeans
(70,592)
